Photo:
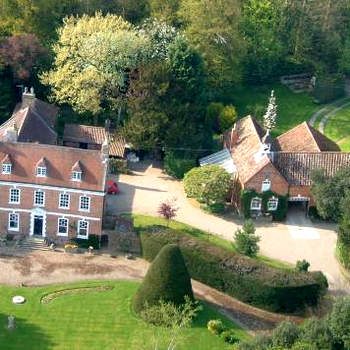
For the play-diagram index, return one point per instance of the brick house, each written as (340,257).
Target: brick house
(282,165)
(48,190)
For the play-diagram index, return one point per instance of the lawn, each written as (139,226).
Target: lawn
(93,319)
(292,110)
(338,128)
(142,221)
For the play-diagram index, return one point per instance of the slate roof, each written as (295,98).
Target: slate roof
(296,167)
(94,135)
(59,161)
(304,138)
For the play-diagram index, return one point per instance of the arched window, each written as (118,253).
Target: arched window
(266,185)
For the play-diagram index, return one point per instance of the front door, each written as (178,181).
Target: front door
(38,225)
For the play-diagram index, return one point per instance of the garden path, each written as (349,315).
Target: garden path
(148,186)
(42,268)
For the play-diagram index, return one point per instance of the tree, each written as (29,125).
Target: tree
(339,322)
(227,118)
(95,58)
(285,334)
(168,210)
(246,240)
(22,53)
(271,113)
(165,10)
(212,25)
(209,184)
(167,279)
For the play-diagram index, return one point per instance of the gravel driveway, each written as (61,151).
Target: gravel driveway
(296,239)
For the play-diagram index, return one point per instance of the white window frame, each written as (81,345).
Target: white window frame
(255,207)
(35,197)
(11,197)
(81,202)
(87,229)
(58,227)
(16,220)
(273,201)
(7,169)
(76,175)
(60,201)
(266,185)
(41,171)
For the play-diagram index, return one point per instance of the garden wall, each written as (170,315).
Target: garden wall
(246,279)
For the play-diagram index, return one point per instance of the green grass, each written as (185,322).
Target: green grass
(142,221)
(338,128)
(94,320)
(292,108)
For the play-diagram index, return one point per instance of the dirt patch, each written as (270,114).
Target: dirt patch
(23,265)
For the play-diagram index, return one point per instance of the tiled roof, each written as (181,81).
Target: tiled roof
(6,160)
(296,167)
(247,146)
(94,135)
(59,161)
(77,166)
(304,138)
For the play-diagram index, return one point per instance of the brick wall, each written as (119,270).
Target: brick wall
(279,184)
(302,191)
(26,206)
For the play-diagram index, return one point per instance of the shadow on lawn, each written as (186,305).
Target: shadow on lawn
(24,336)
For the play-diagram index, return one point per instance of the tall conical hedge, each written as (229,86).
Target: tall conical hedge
(167,279)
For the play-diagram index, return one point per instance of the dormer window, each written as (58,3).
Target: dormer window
(266,185)
(76,172)
(6,165)
(41,171)
(41,168)
(76,175)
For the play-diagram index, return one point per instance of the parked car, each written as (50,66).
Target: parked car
(112,187)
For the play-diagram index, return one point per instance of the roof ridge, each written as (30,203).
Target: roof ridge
(312,135)
(43,120)
(290,130)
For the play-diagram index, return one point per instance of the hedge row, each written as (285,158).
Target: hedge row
(246,279)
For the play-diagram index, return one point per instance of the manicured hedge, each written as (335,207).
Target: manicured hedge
(176,166)
(246,279)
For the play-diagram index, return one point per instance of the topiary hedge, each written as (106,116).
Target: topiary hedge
(278,215)
(246,279)
(176,166)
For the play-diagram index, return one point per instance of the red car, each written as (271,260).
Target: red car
(112,187)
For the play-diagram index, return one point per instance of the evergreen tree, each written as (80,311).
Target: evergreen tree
(271,113)
(167,280)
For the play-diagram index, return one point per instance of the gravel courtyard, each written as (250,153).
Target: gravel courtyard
(296,239)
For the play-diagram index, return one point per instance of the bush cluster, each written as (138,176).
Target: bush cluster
(118,166)
(246,279)
(329,333)
(177,166)
(216,327)
(92,241)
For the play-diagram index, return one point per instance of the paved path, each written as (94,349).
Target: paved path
(43,268)
(294,240)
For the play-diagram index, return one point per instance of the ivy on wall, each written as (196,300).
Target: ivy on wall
(279,214)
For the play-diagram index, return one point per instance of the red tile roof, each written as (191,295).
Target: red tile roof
(304,138)
(59,161)
(94,135)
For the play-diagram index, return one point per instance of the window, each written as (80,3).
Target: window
(272,204)
(266,185)
(13,222)
(64,201)
(39,198)
(41,171)
(6,168)
(255,204)
(62,227)
(84,203)
(15,196)
(76,175)
(83,229)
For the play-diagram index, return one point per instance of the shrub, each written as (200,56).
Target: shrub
(118,166)
(167,279)
(229,336)
(215,327)
(302,265)
(259,342)
(246,279)
(209,184)
(316,331)
(343,253)
(92,241)
(285,334)
(217,208)
(168,210)
(246,240)
(177,167)
(339,322)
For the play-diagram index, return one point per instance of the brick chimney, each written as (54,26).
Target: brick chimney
(28,97)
